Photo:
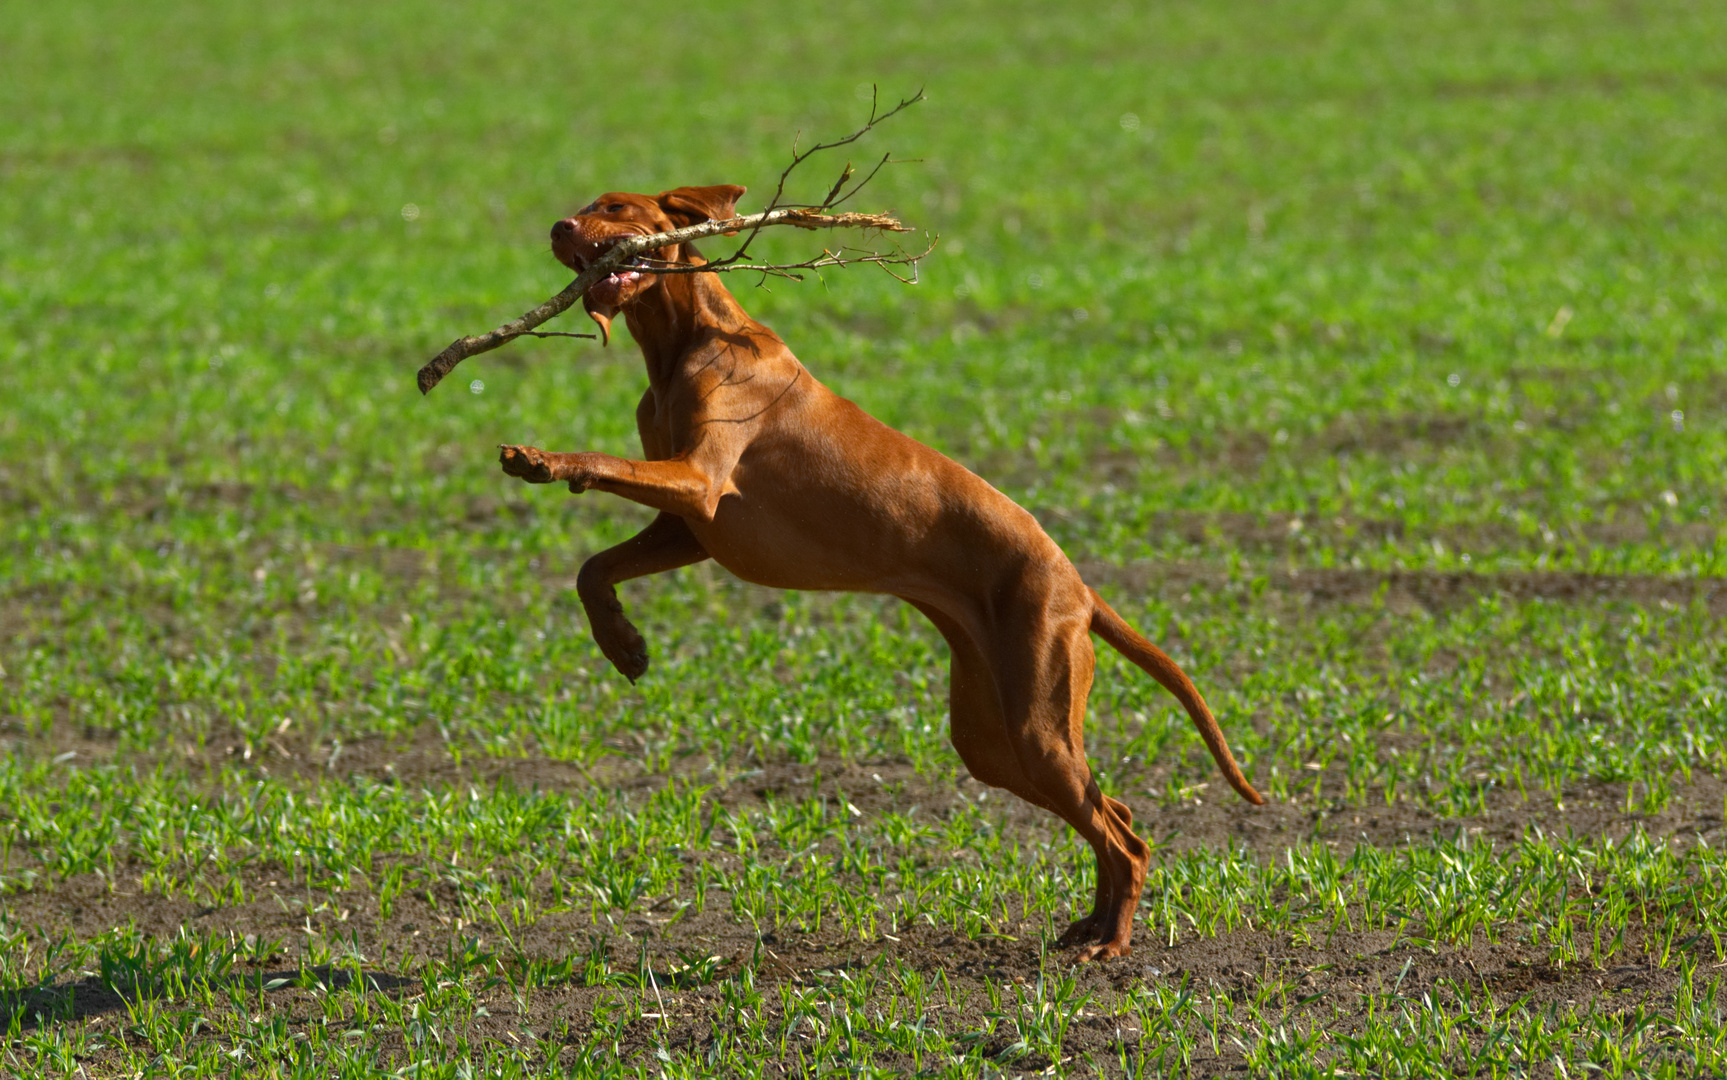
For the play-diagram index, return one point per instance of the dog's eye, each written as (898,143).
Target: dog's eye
(614,208)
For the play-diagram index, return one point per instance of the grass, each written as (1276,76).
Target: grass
(1369,358)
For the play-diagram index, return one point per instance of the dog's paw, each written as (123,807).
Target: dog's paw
(526,462)
(628,655)
(1081,932)
(622,644)
(1093,938)
(1108,950)
(633,663)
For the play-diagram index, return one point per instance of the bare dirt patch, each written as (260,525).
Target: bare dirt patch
(292,928)
(1434,590)
(1301,981)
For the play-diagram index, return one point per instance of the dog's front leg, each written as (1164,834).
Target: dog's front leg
(665,544)
(681,485)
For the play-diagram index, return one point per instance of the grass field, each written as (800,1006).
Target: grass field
(1370,357)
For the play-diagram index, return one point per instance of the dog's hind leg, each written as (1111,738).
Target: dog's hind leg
(1042,669)
(665,544)
(975,725)
(980,733)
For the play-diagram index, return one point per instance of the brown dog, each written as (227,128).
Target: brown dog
(753,463)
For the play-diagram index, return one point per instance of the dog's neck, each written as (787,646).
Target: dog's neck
(670,319)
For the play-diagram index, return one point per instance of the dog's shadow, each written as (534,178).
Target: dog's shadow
(75,1000)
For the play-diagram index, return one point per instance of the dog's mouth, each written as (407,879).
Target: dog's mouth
(605,296)
(578,242)
(582,239)
(612,289)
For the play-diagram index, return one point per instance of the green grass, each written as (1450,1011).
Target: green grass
(1370,358)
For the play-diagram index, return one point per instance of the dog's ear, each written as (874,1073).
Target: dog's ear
(690,205)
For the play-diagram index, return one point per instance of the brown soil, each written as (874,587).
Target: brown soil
(1434,590)
(1304,982)
(1315,977)
(1311,979)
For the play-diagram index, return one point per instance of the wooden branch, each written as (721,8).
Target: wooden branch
(626,249)
(844,257)
(799,216)
(876,116)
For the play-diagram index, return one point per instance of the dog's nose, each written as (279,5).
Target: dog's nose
(571,245)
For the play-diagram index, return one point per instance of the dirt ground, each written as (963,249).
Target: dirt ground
(1320,979)
(1235,964)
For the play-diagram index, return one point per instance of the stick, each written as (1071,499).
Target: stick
(799,217)
(803,216)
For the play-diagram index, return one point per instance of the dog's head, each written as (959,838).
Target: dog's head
(591,231)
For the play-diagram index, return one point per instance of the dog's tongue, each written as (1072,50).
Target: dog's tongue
(602,308)
(605,323)
(605,296)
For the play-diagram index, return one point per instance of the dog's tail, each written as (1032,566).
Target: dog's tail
(1111,627)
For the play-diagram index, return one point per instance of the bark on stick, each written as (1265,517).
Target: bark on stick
(799,217)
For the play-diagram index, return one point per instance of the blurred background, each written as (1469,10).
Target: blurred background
(229,235)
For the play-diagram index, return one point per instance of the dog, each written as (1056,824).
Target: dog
(753,463)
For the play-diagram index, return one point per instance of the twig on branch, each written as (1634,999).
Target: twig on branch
(628,248)
(802,216)
(800,156)
(847,256)
(836,194)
